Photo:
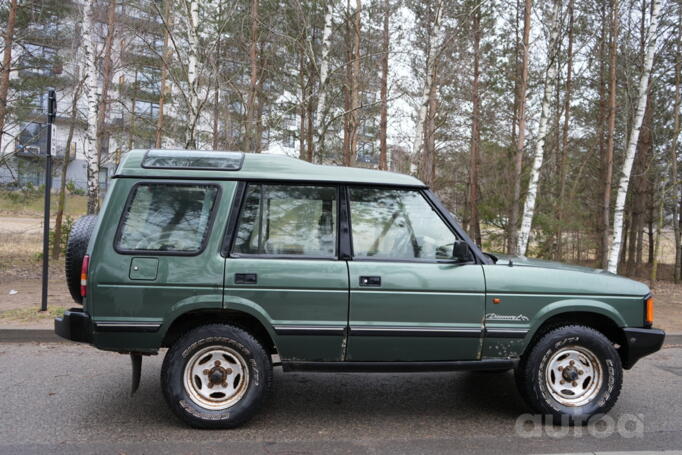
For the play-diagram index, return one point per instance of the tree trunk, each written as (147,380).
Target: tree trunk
(107,72)
(8,41)
(216,88)
(608,158)
(91,88)
(657,248)
(192,73)
(167,53)
(323,76)
(347,87)
(564,134)
(354,119)
(301,108)
(634,137)
(249,143)
(474,159)
(383,122)
(550,79)
(56,247)
(421,150)
(675,185)
(520,133)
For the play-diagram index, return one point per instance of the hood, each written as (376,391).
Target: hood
(523,261)
(520,274)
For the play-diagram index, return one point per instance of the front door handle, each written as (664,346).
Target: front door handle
(245,278)
(370,281)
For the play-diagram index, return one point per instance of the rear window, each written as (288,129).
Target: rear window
(182,159)
(167,218)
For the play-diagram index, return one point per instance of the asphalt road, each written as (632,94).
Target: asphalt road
(67,398)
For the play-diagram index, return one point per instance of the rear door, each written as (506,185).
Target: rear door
(283,263)
(157,254)
(409,301)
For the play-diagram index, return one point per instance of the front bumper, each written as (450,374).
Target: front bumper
(75,325)
(640,343)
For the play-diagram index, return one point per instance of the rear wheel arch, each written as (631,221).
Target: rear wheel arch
(196,318)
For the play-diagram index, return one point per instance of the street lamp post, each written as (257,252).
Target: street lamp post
(51,112)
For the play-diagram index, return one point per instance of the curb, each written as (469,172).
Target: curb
(29,336)
(48,336)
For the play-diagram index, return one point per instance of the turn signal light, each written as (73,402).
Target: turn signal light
(84,275)
(649,311)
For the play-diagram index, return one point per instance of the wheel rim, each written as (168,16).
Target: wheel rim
(216,377)
(574,376)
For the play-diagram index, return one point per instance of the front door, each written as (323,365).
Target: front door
(409,300)
(283,263)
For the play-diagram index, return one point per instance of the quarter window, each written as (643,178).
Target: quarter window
(171,218)
(287,220)
(397,224)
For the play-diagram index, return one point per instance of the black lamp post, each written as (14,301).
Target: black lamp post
(51,112)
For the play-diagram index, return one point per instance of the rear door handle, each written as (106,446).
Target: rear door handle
(370,281)
(245,278)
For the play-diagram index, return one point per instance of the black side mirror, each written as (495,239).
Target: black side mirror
(461,252)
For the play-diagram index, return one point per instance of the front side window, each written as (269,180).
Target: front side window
(397,224)
(287,220)
(166,217)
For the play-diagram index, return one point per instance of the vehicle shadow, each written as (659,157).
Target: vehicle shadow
(346,404)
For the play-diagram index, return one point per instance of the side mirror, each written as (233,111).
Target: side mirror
(461,252)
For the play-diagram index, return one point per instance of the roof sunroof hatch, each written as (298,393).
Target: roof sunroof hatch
(193,159)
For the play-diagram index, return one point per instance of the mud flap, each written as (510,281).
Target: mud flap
(136,360)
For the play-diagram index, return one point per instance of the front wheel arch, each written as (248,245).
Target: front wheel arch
(597,321)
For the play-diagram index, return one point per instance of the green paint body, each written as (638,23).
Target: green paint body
(414,297)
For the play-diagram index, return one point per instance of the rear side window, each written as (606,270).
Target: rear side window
(287,220)
(167,218)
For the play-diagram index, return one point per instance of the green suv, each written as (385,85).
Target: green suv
(238,262)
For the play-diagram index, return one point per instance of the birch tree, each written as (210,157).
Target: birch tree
(550,79)
(383,122)
(167,18)
(107,73)
(428,91)
(91,89)
(354,114)
(321,110)
(611,129)
(619,207)
(193,108)
(675,184)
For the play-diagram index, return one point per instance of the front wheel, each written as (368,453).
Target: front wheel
(216,376)
(571,373)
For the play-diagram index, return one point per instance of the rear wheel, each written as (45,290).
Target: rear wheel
(216,376)
(571,373)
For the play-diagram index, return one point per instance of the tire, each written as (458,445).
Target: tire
(216,376)
(587,363)
(76,247)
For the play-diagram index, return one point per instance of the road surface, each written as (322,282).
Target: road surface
(68,398)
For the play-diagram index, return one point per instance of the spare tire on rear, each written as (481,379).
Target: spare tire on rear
(76,247)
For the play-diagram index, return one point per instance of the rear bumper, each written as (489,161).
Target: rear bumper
(640,343)
(75,325)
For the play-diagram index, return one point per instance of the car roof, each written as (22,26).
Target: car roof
(260,166)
